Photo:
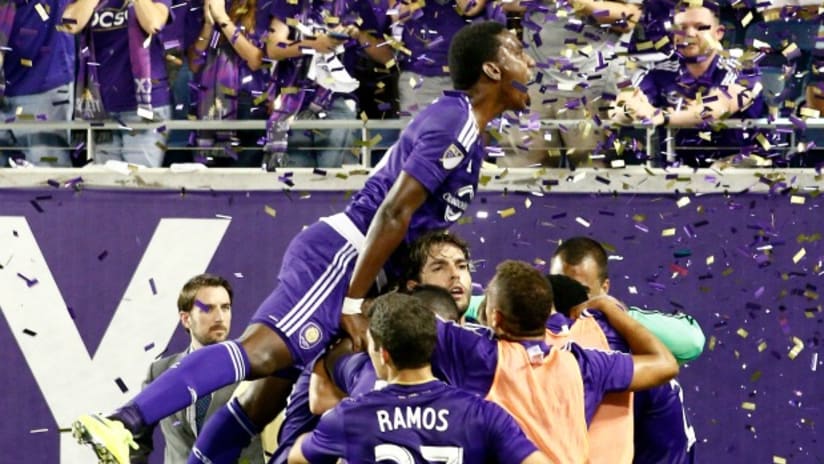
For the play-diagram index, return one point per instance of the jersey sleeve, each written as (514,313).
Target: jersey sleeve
(679,332)
(441,145)
(508,441)
(465,357)
(604,371)
(327,442)
(347,371)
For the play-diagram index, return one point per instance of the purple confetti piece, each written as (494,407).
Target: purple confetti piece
(121,385)
(202,306)
(319,171)
(29,282)
(152,285)
(102,255)
(30,333)
(149,346)
(36,206)
(53,183)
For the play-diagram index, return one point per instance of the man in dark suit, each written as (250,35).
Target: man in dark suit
(205,308)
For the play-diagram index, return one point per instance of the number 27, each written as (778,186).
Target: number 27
(400,455)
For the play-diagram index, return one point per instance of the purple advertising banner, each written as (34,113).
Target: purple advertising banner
(89,280)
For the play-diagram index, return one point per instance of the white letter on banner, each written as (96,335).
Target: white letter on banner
(72,381)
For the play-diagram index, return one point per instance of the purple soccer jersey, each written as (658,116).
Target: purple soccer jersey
(663,433)
(355,375)
(40,57)
(110,38)
(429,422)
(667,87)
(442,149)
(468,358)
(297,420)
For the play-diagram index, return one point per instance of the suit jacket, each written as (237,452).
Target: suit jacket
(179,428)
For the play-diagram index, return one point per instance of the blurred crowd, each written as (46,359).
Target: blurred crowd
(607,71)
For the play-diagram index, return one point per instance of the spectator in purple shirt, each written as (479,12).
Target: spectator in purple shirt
(426,182)
(36,79)
(416,418)
(705,89)
(122,74)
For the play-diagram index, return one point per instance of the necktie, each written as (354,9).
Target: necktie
(201,406)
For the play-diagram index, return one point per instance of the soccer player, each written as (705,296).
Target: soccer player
(663,432)
(426,182)
(552,392)
(415,418)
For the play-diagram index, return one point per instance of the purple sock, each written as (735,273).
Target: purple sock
(227,432)
(198,373)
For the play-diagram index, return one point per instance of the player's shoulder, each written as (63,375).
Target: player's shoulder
(451,115)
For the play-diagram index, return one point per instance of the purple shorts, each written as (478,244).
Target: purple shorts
(305,307)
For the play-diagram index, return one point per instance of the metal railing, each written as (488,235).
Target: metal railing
(652,146)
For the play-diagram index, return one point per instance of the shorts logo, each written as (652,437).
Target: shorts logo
(452,157)
(310,335)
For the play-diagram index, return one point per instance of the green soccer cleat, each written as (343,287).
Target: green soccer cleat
(109,438)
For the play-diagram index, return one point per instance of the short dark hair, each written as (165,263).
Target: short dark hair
(567,292)
(473,45)
(186,299)
(437,299)
(576,249)
(524,297)
(404,327)
(420,249)
(711,5)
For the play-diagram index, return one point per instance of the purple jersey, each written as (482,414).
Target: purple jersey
(429,422)
(40,57)
(468,358)
(667,87)
(297,420)
(110,39)
(355,375)
(663,433)
(442,149)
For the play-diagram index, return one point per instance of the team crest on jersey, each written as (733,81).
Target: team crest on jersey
(452,157)
(310,335)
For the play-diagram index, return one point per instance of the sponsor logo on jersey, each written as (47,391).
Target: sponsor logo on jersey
(456,204)
(108,19)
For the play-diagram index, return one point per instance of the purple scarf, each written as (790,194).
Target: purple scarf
(218,90)
(7,10)
(89,100)
(288,105)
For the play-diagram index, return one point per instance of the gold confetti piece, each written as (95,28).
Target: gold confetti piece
(810,113)
(641,46)
(506,212)
(779,460)
(797,200)
(746,19)
(762,346)
(26,62)
(270,211)
(705,135)
(582,221)
(798,346)
(41,10)
(684,201)
(662,42)
(755,376)
(742,333)
(482,214)
(765,144)
(711,344)
(668,232)
(801,253)
(710,260)
(618,163)
(527,203)
(726,272)
(632,290)
(390,64)
(639,218)
(789,50)
(748,406)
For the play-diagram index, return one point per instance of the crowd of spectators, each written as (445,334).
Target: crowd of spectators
(607,71)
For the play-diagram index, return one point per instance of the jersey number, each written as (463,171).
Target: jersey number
(401,455)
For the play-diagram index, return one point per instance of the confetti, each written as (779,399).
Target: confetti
(152,286)
(582,221)
(742,333)
(668,232)
(38,430)
(797,200)
(748,406)
(506,212)
(270,211)
(29,332)
(798,346)
(149,346)
(121,385)
(29,282)
(799,256)
(683,201)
